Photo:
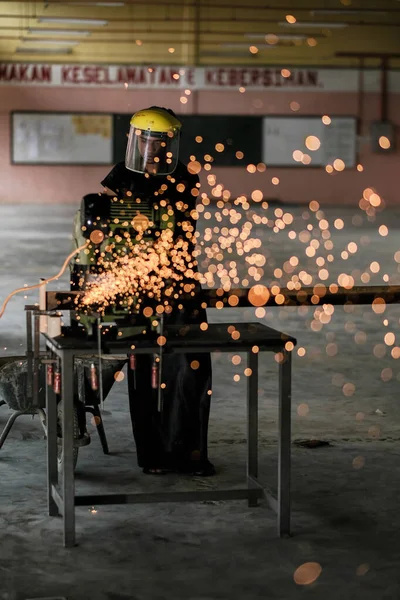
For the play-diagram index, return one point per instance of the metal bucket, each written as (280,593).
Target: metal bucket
(14,388)
(83,388)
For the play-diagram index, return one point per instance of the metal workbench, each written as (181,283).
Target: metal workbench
(180,339)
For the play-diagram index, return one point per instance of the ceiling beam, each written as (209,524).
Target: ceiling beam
(31,35)
(191,20)
(28,39)
(261,7)
(162,31)
(368,54)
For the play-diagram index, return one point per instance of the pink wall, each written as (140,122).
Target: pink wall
(65,184)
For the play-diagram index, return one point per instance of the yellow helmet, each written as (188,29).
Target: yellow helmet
(153,142)
(155,119)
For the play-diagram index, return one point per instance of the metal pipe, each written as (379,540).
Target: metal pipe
(314,296)
(101,395)
(29,352)
(355,295)
(160,364)
(284,458)
(36,360)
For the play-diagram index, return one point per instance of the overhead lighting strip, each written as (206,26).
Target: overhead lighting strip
(43,50)
(82,21)
(37,31)
(323,24)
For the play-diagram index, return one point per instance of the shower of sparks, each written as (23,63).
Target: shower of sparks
(161,271)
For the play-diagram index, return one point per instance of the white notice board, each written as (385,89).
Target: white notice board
(62,138)
(282,136)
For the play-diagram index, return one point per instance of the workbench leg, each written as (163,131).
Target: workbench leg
(285,384)
(67,396)
(51,434)
(252,423)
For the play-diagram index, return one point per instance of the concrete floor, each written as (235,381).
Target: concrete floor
(345,513)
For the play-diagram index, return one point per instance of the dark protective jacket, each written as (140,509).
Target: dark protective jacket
(176,437)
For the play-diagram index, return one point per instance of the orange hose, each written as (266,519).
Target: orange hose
(32,287)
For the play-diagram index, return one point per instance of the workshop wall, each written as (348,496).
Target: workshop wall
(67,184)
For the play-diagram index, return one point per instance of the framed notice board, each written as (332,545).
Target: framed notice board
(283,136)
(50,138)
(235,133)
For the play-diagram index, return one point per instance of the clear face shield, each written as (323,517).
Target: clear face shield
(152,152)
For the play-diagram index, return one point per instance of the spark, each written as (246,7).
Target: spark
(384,142)
(312,143)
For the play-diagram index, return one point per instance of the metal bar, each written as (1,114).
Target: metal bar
(306,296)
(267,495)
(153,349)
(160,396)
(284,444)
(9,424)
(101,394)
(254,483)
(52,347)
(36,361)
(236,346)
(272,501)
(57,497)
(100,427)
(42,417)
(29,352)
(252,418)
(159,497)
(67,398)
(51,430)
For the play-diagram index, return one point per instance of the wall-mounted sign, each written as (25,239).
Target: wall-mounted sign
(195,78)
(41,138)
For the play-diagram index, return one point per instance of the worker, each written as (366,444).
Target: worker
(174,439)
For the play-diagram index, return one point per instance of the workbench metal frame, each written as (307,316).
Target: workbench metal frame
(62,499)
